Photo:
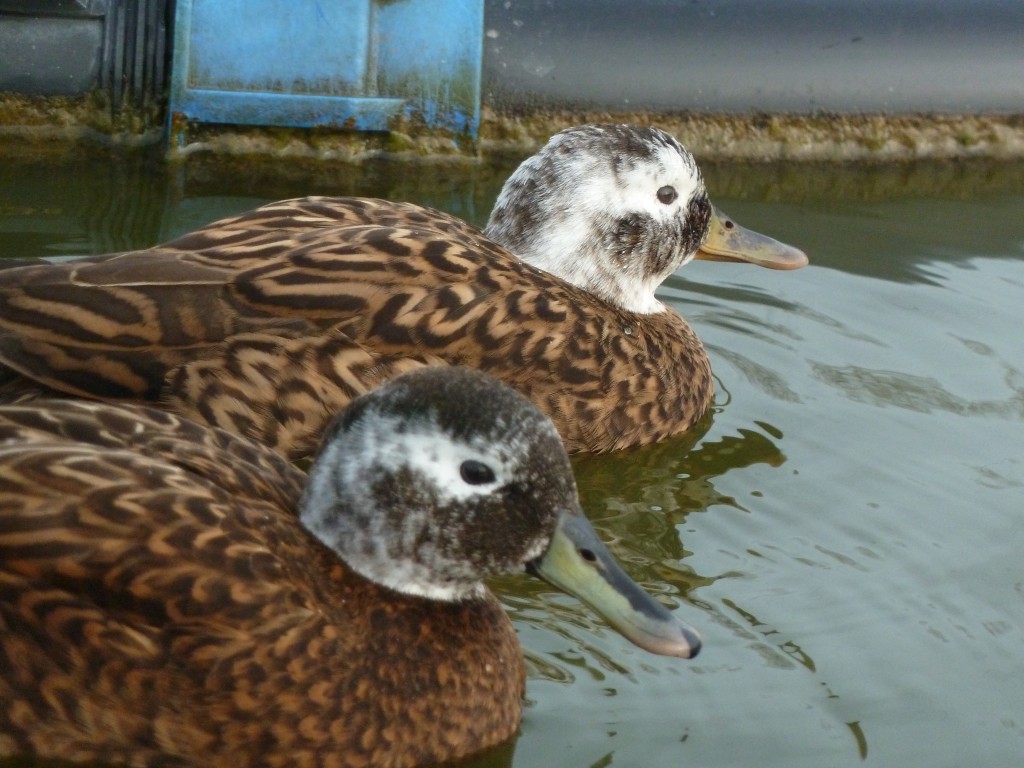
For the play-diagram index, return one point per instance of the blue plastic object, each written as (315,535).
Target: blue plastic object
(356,64)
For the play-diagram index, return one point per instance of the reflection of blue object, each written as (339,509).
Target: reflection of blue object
(352,63)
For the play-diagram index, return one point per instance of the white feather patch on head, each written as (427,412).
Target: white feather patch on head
(423,447)
(577,192)
(366,537)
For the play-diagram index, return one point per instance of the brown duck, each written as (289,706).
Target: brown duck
(173,594)
(267,323)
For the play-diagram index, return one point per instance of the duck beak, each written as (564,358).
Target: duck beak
(578,563)
(728,241)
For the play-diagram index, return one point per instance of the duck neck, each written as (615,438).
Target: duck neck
(582,258)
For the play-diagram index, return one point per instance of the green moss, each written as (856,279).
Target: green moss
(510,135)
(966,138)
(400,142)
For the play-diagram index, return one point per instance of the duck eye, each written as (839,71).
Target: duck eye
(476,472)
(667,194)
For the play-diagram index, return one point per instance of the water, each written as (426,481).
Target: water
(845,528)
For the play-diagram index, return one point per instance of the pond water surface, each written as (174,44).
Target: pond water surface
(847,529)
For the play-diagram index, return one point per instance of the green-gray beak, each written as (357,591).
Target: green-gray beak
(578,563)
(728,241)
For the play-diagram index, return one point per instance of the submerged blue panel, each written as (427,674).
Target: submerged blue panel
(353,63)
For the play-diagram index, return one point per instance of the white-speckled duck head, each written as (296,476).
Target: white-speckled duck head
(616,209)
(443,477)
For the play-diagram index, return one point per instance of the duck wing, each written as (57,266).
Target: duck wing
(254,234)
(136,548)
(111,327)
(114,326)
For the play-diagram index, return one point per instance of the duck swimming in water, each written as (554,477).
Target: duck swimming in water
(173,594)
(268,322)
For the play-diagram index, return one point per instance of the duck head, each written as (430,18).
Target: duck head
(616,209)
(444,477)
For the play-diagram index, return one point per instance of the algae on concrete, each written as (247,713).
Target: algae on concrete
(754,136)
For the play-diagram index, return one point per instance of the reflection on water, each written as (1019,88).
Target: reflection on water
(918,393)
(844,527)
(778,651)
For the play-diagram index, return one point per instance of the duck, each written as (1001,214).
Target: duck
(176,594)
(268,322)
